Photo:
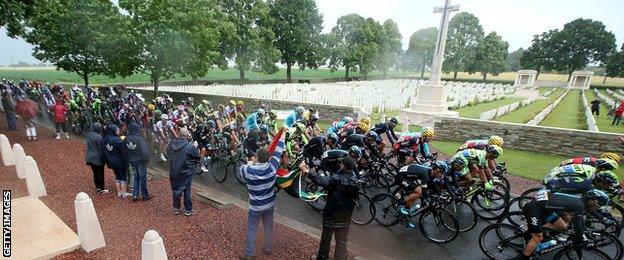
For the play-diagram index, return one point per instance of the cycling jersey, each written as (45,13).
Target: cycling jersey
(353,140)
(160,126)
(253,142)
(230,111)
(591,161)
(348,129)
(335,127)
(546,203)
(410,144)
(575,172)
(474,144)
(253,122)
(411,176)
(315,147)
(330,160)
(292,119)
(474,157)
(384,128)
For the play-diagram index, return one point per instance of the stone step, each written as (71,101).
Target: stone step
(216,199)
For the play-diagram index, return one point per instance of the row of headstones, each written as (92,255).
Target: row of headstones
(382,95)
(604,98)
(502,110)
(589,117)
(88,225)
(616,95)
(539,117)
(547,93)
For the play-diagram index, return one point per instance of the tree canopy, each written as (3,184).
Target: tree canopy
(464,33)
(390,48)
(13,13)
(422,47)
(490,56)
(512,62)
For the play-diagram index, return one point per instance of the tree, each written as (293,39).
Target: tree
(250,43)
(298,33)
(581,42)
(13,13)
(390,47)
(464,32)
(512,62)
(614,67)
(176,37)
(490,55)
(79,36)
(422,47)
(539,55)
(354,43)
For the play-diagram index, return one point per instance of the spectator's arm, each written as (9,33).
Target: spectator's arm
(325,181)
(279,148)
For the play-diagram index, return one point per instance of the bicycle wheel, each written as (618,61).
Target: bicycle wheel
(237,172)
(390,172)
(530,193)
(438,225)
(490,204)
(364,210)
(570,253)
(501,241)
(608,243)
(383,183)
(515,218)
(218,170)
(386,210)
(318,204)
(502,179)
(465,214)
(617,212)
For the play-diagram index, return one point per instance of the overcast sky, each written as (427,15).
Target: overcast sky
(516,21)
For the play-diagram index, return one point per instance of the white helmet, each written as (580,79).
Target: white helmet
(164,117)
(261,112)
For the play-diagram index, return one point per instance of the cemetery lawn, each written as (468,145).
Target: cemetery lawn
(603,121)
(526,113)
(566,114)
(476,110)
(543,90)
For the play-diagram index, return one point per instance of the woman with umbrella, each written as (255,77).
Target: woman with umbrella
(28,109)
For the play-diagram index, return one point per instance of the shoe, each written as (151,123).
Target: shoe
(99,191)
(67,135)
(35,139)
(149,197)
(163,158)
(267,253)
(410,225)
(403,210)
(204,169)
(189,213)
(135,199)
(175,211)
(58,137)
(313,257)
(126,195)
(119,194)
(243,256)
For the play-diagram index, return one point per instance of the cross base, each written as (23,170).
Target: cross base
(426,106)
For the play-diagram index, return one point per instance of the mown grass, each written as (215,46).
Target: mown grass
(526,113)
(566,115)
(476,110)
(603,121)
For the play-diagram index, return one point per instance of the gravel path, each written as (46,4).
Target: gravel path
(210,234)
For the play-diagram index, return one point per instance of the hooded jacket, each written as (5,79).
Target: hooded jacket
(112,148)
(93,140)
(342,191)
(136,148)
(183,157)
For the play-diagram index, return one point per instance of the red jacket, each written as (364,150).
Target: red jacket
(620,110)
(59,111)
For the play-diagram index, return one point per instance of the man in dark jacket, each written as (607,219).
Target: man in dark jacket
(342,191)
(137,155)
(112,148)
(183,158)
(9,111)
(93,156)
(595,107)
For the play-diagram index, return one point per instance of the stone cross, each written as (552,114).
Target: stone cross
(438,56)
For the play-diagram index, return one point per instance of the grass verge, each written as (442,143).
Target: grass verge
(526,113)
(476,110)
(566,115)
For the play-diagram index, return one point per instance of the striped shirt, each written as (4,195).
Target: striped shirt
(260,179)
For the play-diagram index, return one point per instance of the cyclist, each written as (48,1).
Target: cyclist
(353,140)
(330,160)
(374,144)
(388,129)
(254,120)
(476,164)
(600,164)
(240,110)
(271,121)
(577,178)
(315,148)
(311,122)
(481,144)
(204,109)
(294,117)
(550,209)
(295,139)
(165,130)
(410,145)
(337,125)
(230,111)
(606,181)
(255,140)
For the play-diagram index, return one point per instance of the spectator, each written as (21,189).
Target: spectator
(94,157)
(342,191)
(112,148)
(59,109)
(138,153)
(260,177)
(595,107)
(183,159)
(618,114)
(9,112)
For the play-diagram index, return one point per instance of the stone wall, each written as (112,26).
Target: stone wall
(326,112)
(561,141)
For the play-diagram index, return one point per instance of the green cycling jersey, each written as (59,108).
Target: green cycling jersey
(578,172)
(473,157)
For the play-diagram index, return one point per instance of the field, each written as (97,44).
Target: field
(52,75)
(566,114)
(526,113)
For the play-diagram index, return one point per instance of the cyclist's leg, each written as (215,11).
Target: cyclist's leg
(410,199)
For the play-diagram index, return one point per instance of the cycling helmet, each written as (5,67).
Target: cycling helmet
(612,156)
(240,103)
(365,120)
(427,132)
(205,102)
(459,161)
(209,147)
(394,120)
(599,196)
(98,101)
(164,117)
(607,177)
(180,107)
(72,102)
(494,149)
(363,127)
(264,128)
(299,110)
(80,94)
(355,150)
(272,113)
(261,112)
(211,123)
(233,102)
(496,140)
(333,137)
(373,135)
(439,165)
(607,164)
(221,107)
(314,117)
(157,113)
(151,107)
(347,119)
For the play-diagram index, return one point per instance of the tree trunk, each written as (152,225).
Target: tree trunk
(347,73)
(455,75)
(604,80)
(241,73)
(194,78)
(85,77)
(288,68)
(384,73)
(539,70)
(484,77)
(422,71)
(155,88)
(569,74)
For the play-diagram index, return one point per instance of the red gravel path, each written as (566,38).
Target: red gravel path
(210,234)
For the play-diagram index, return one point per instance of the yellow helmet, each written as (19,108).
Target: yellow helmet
(363,127)
(612,156)
(496,140)
(365,120)
(233,102)
(151,107)
(428,132)
(240,103)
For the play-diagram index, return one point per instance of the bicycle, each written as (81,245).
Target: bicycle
(491,203)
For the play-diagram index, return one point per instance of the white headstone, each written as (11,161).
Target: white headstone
(19,157)
(152,247)
(34,182)
(89,230)
(7,152)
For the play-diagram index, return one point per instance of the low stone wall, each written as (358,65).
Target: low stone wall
(542,139)
(326,112)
